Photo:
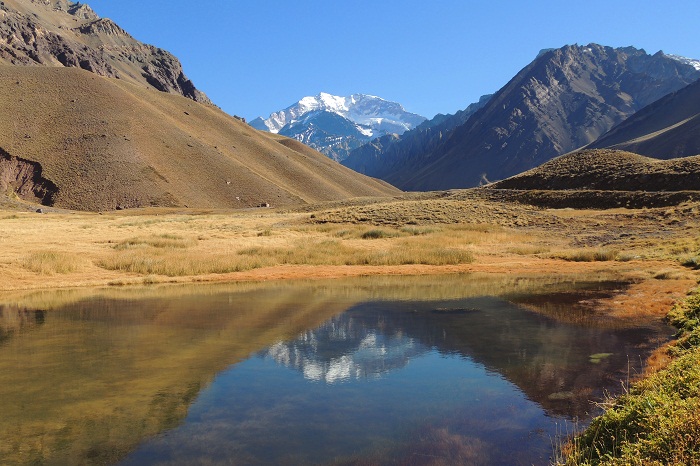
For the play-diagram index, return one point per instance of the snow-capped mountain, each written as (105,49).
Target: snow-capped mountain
(335,125)
(688,61)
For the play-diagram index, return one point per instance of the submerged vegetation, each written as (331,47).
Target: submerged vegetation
(658,420)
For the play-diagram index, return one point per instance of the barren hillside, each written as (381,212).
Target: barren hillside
(668,128)
(82,141)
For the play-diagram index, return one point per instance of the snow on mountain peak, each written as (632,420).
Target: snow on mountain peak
(358,119)
(688,61)
(363,109)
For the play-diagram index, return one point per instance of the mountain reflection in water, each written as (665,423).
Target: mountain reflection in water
(550,361)
(370,370)
(343,349)
(478,380)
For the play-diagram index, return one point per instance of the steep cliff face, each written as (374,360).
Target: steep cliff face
(63,33)
(23,178)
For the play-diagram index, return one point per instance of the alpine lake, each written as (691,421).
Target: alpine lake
(434,370)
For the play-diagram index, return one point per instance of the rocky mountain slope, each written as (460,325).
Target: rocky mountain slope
(80,141)
(66,34)
(335,125)
(668,128)
(566,98)
(392,153)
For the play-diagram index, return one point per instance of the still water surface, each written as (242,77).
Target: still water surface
(434,370)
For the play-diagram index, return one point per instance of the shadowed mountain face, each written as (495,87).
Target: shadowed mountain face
(668,128)
(62,33)
(566,98)
(326,131)
(392,153)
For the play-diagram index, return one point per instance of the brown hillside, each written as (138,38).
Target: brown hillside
(104,143)
(609,170)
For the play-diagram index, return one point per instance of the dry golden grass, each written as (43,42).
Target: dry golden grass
(462,232)
(588,255)
(163,241)
(179,264)
(51,262)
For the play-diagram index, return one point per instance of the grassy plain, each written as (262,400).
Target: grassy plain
(461,231)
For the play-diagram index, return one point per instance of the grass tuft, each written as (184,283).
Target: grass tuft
(164,241)
(378,234)
(174,263)
(418,231)
(52,262)
(588,255)
(691,261)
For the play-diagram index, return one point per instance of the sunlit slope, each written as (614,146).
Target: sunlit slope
(108,144)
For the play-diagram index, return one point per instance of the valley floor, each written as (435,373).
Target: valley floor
(434,233)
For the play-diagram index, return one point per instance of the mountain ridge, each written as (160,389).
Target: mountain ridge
(667,128)
(564,99)
(61,33)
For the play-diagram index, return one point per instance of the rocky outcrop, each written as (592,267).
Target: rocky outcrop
(62,33)
(24,179)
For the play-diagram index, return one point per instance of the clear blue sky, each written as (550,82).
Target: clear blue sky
(253,57)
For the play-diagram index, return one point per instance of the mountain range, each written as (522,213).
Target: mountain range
(94,120)
(565,99)
(387,154)
(335,125)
